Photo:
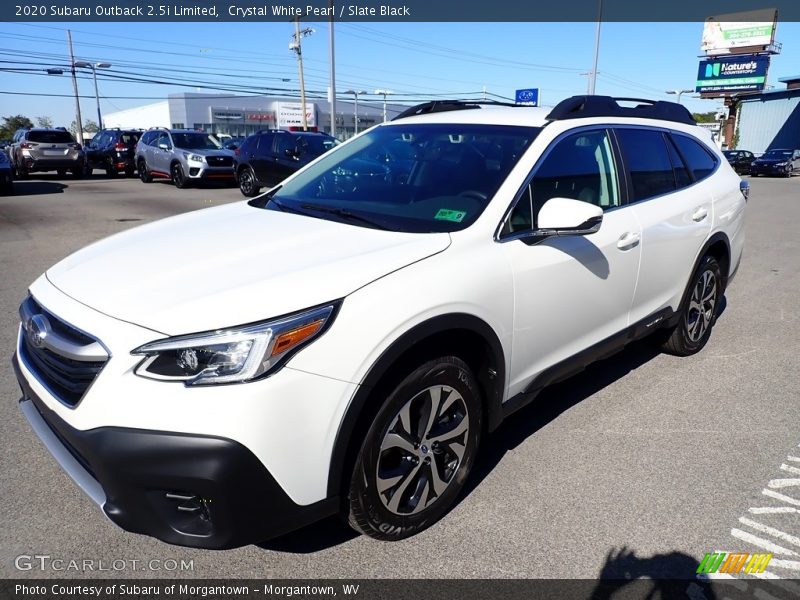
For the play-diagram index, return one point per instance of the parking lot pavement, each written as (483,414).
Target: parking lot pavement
(664,457)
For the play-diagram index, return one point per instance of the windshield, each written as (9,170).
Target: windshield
(778,154)
(413,178)
(195,141)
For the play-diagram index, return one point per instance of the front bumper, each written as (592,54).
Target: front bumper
(769,170)
(205,172)
(192,490)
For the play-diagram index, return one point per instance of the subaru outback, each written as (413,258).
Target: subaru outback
(344,342)
(40,149)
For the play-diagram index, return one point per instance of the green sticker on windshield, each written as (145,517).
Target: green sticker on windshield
(445,214)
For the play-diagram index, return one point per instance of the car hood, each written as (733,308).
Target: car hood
(231,265)
(207,151)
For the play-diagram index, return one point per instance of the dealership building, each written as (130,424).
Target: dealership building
(242,115)
(770,119)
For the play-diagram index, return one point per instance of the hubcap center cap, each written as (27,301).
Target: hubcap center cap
(423,449)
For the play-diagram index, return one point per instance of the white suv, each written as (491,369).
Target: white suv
(343,342)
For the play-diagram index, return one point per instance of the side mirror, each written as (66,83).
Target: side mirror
(163,146)
(564,216)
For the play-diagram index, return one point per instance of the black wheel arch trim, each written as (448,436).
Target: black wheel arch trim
(492,382)
(711,241)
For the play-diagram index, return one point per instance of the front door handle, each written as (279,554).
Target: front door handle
(628,240)
(699,214)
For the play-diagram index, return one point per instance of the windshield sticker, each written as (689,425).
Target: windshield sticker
(445,214)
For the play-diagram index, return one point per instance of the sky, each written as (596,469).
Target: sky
(414,60)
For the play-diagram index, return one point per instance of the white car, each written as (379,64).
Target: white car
(343,342)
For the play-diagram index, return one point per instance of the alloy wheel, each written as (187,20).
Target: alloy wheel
(422,450)
(701,306)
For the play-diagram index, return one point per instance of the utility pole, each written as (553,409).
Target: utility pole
(296,46)
(333,74)
(593,74)
(679,93)
(79,133)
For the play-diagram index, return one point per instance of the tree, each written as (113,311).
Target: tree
(11,124)
(89,126)
(45,122)
(706,117)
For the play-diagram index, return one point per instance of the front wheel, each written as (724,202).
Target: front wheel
(418,451)
(247,183)
(178,178)
(699,310)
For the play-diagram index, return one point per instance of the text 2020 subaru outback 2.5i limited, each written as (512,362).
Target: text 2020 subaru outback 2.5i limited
(343,342)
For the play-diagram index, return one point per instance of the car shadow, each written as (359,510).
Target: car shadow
(545,408)
(36,188)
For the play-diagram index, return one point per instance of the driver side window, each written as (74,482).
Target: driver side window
(581,167)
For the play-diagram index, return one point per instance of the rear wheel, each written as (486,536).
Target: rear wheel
(20,172)
(144,174)
(78,172)
(247,183)
(698,310)
(61,172)
(111,171)
(418,451)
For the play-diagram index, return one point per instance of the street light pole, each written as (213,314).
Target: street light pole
(383,93)
(679,93)
(355,110)
(333,74)
(94,67)
(593,74)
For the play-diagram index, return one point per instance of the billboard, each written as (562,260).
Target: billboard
(529,96)
(724,34)
(739,73)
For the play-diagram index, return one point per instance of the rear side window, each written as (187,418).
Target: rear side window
(50,137)
(129,138)
(682,178)
(701,162)
(647,157)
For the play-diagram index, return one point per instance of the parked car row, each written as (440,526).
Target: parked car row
(778,162)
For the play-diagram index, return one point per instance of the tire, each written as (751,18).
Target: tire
(247,183)
(111,172)
(144,174)
(78,172)
(61,172)
(698,311)
(399,441)
(21,172)
(178,178)
(130,172)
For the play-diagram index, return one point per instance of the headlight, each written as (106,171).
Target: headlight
(232,355)
(193,157)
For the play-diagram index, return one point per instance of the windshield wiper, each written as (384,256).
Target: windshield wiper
(345,214)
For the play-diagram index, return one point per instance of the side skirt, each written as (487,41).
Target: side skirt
(577,363)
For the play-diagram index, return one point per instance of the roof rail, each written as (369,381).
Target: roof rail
(579,107)
(436,106)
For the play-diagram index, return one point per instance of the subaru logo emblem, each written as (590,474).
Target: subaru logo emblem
(36,329)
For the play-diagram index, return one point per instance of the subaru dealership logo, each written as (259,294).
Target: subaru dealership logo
(36,329)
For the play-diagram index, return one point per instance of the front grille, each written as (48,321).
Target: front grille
(66,378)
(64,329)
(219,161)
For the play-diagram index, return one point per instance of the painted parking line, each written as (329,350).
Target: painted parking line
(766,534)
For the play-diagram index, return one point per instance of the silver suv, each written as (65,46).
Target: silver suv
(182,155)
(46,150)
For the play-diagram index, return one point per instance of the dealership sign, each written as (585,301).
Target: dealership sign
(528,96)
(739,73)
(290,114)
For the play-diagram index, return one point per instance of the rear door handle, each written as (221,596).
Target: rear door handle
(699,214)
(628,240)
